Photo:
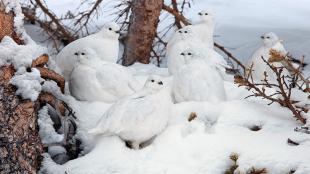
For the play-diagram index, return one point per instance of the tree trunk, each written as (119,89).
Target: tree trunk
(7,25)
(142,31)
(20,144)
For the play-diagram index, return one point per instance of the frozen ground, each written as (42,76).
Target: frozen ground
(203,146)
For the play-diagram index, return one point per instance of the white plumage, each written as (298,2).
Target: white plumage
(270,41)
(95,80)
(139,117)
(184,39)
(105,43)
(203,30)
(198,81)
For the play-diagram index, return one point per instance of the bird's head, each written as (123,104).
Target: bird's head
(111,30)
(269,39)
(154,83)
(185,33)
(188,54)
(206,16)
(86,56)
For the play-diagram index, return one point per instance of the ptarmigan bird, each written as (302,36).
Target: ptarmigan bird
(198,81)
(184,39)
(105,43)
(270,41)
(203,30)
(95,80)
(139,117)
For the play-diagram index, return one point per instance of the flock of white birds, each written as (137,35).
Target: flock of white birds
(138,115)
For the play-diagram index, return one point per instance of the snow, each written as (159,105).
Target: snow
(204,144)
(201,146)
(46,129)
(15,7)
(28,83)
(19,55)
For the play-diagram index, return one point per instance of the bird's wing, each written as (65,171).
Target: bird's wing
(280,48)
(109,75)
(129,111)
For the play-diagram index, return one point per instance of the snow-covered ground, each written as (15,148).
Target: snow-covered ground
(203,146)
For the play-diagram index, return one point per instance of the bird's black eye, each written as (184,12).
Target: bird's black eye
(110,28)
(268,37)
(160,83)
(206,13)
(185,31)
(180,31)
(152,81)
(82,53)
(189,54)
(182,54)
(76,54)
(262,37)
(200,14)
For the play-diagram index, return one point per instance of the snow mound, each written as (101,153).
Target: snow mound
(28,83)
(18,55)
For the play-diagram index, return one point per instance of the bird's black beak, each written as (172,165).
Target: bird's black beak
(262,37)
(160,83)
(199,14)
(118,32)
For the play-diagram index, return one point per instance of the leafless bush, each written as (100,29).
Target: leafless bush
(283,87)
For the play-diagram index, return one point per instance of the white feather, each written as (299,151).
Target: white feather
(138,117)
(270,41)
(186,39)
(198,81)
(95,80)
(105,43)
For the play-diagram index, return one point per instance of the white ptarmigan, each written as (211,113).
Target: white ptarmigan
(270,41)
(203,29)
(105,43)
(139,117)
(184,39)
(95,80)
(198,81)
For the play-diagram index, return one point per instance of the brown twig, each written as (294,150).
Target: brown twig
(51,75)
(281,86)
(54,19)
(40,61)
(48,98)
(176,14)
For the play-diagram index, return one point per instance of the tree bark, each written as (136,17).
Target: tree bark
(142,31)
(7,25)
(20,144)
